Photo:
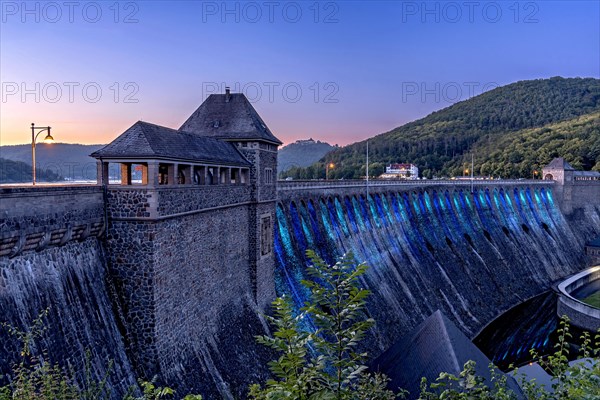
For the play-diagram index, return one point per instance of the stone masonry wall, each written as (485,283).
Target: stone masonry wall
(130,248)
(180,260)
(206,316)
(267,159)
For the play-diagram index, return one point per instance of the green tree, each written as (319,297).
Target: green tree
(324,363)
(579,381)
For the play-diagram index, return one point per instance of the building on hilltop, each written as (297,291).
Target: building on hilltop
(401,171)
(305,141)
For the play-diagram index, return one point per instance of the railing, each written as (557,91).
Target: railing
(323,184)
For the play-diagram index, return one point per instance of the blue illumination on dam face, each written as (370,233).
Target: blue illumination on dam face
(472,255)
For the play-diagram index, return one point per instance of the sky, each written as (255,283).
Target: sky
(337,71)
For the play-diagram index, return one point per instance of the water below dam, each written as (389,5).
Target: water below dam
(532,324)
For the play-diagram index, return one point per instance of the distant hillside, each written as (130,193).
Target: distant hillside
(301,153)
(20,172)
(497,126)
(518,154)
(71,161)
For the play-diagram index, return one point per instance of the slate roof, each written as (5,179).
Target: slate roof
(146,141)
(436,345)
(560,163)
(590,174)
(229,117)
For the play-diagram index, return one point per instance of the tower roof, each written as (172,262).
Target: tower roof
(560,163)
(435,346)
(148,141)
(228,116)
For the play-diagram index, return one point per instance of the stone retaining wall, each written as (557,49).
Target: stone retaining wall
(34,218)
(579,313)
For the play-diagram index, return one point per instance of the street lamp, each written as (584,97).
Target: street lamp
(34,136)
(327,168)
(534,173)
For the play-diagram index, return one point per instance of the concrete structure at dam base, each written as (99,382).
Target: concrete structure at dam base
(580,314)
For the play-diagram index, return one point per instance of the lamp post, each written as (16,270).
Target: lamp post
(34,136)
(534,173)
(327,168)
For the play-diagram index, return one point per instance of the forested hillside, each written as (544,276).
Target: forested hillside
(511,131)
(301,153)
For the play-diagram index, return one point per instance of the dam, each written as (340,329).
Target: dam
(170,275)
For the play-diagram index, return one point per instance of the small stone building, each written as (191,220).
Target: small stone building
(592,249)
(574,189)
(561,171)
(558,170)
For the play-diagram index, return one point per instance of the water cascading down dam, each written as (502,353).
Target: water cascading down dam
(471,255)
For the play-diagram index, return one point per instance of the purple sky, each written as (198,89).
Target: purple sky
(334,71)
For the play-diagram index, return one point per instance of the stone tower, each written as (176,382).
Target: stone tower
(190,240)
(559,170)
(230,117)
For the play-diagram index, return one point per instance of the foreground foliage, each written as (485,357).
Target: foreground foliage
(35,378)
(325,363)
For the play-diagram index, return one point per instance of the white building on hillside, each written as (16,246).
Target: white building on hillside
(401,171)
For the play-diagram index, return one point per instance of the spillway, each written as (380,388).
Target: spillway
(70,283)
(470,254)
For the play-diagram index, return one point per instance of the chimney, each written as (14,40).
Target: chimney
(227,94)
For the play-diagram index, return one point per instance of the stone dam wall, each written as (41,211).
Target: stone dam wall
(173,281)
(52,258)
(472,255)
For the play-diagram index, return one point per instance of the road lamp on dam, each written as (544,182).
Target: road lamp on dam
(34,136)
(327,168)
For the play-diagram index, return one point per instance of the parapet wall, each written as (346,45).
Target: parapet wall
(296,190)
(579,313)
(140,203)
(47,216)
